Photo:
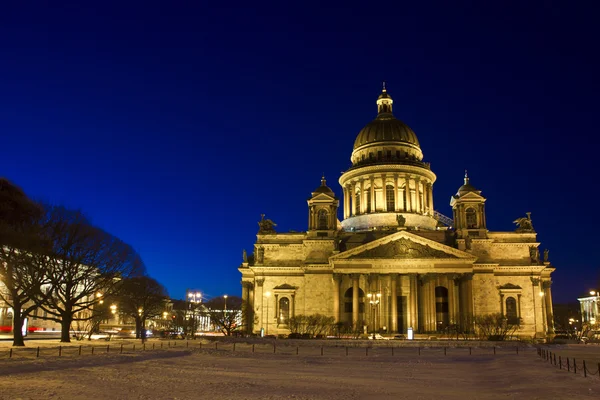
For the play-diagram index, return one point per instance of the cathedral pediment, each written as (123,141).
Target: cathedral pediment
(403,245)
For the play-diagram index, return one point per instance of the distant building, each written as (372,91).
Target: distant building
(589,308)
(393,262)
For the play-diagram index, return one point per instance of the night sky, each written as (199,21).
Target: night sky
(174,126)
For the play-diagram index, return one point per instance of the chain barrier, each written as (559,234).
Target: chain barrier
(570,364)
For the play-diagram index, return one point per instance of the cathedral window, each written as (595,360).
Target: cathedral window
(397,153)
(511,311)
(471,218)
(389,154)
(390,198)
(323,216)
(379,155)
(357,203)
(284,311)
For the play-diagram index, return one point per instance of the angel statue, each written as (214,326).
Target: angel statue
(266,225)
(524,224)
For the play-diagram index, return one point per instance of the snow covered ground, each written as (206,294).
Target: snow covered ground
(209,373)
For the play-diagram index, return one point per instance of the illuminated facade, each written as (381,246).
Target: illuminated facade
(393,262)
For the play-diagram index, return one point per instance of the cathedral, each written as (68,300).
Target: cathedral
(393,264)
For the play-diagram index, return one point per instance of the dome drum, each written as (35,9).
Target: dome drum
(388,220)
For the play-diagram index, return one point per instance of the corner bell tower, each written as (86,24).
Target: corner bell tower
(468,207)
(322,211)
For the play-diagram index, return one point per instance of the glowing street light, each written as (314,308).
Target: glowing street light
(374,299)
(225,297)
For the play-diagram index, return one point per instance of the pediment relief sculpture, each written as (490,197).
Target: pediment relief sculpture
(403,248)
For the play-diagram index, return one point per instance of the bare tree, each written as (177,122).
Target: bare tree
(82,262)
(21,236)
(142,298)
(494,326)
(225,313)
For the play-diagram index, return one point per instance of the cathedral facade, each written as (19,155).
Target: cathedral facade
(393,262)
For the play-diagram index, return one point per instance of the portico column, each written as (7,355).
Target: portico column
(396,201)
(469,285)
(336,297)
(355,300)
(407,192)
(451,298)
(430,198)
(394,303)
(246,305)
(345,202)
(549,310)
(414,299)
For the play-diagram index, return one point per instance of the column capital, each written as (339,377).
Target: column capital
(259,282)
(337,277)
(535,281)
(546,284)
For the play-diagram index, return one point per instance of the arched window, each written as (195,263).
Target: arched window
(357,203)
(322,216)
(368,200)
(471,218)
(390,198)
(511,311)
(284,311)
(348,301)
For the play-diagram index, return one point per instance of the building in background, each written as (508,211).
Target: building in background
(393,262)
(589,308)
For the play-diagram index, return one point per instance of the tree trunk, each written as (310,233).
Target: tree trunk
(143,330)
(17,325)
(138,328)
(65,328)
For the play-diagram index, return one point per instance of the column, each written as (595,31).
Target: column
(469,287)
(353,199)
(293,306)
(409,206)
(336,297)
(276,310)
(384,192)
(396,200)
(431,198)
(393,303)
(502,304)
(414,302)
(451,298)
(549,310)
(355,300)
(345,202)
(432,306)
(537,305)
(419,206)
(246,306)
(363,198)
(372,189)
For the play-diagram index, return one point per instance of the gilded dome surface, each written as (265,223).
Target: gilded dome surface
(385,128)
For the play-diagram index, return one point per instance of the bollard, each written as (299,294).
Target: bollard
(92,350)
(134,347)
(366,351)
(169,344)
(346,351)
(297,350)
(161,345)
(200,344)
(444,350)
(559,363)
(38,351)
(574,365)
(144,346)
(253,348)
(598,370)
(175,343)
(584,370)
(216,345)
(59,351)
(10,353)
(419,350)
(152,346)
(517,350)
(321,350)
(121,352)
(79,350)
(274,348)
(568,365)
(469,350)
(392,350)
(234,346)
(494,350)
(555,358)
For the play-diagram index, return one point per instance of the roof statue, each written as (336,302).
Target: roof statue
(524,224)
(245,256)
(266,225)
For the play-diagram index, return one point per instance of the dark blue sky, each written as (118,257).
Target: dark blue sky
(174,125)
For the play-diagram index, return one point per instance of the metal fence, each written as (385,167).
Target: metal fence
(570,365)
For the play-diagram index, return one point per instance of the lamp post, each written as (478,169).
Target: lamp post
(374,299)
(225,297)
(268,294)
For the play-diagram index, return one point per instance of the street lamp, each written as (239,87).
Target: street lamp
(225,297)
(268,294)
(374,299)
